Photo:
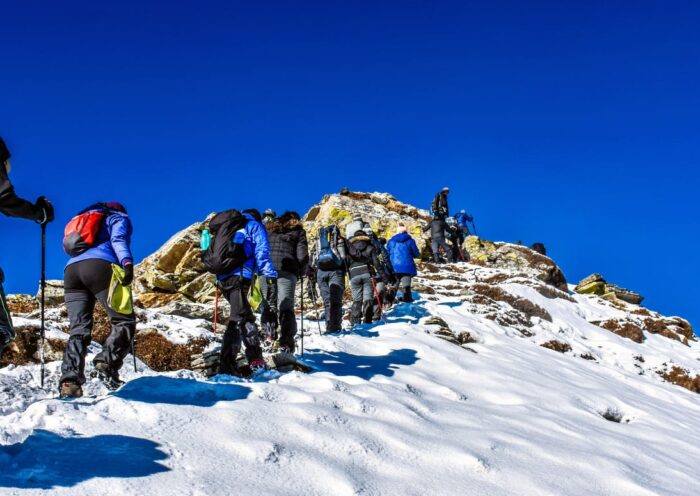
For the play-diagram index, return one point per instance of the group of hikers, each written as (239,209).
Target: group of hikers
(244,250)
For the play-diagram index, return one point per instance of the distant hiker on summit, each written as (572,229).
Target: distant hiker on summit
(403,250)
(289,251)
(98,240)
(235,248)
(463,220)
(439,208)
(14,206)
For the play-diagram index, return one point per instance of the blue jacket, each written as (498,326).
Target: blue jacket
(113,241)
(257,248)
(402,250)
(462,219)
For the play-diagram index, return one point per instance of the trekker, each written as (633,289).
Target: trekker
(330,261)
(463,220)
(357,224)
(363,264)
(14,206)
(440,209)
(384,279)
(97,238)
(250,240)
(289,252)
(437,228)
(456,237)
(403,250)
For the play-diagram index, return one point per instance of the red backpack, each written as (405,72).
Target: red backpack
(82,231)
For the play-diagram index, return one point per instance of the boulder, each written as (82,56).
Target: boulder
(593,284)
(515,257)
(54,293)
(381,210)
(596,284)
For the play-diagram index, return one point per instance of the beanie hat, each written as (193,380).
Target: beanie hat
(254,213)
(400,229)
(356,217)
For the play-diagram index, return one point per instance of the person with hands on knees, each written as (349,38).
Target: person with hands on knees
(14,206)
(242,329)
(98,240)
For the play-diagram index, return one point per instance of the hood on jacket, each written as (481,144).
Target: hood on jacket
(280,225)
(402,237)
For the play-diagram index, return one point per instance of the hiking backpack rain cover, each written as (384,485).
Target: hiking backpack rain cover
(223,255)
(328,256)
(82,231)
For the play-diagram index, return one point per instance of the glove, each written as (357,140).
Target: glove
(45,212)
(128,274)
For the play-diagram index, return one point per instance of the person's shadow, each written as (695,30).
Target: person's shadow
(173,391)
(341,363)
(46,460)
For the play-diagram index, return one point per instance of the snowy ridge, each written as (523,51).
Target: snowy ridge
(393,409)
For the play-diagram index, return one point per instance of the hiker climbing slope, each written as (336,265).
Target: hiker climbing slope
(403,250)
(97,239)
(330,261)
(289,252)
(438,229)
(363,264)
(439,207)
(14,206)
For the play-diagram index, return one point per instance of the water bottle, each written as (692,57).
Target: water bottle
(205,240)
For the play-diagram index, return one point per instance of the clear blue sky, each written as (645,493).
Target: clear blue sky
(575,125)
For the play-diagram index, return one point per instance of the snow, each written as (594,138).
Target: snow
(390,410)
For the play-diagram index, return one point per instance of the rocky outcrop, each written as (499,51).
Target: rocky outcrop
(515,257)
(174,273)
(596,284)
(381,210)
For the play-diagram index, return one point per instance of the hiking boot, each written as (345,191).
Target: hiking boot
(109,377)
(70,389)
(286,350)
(258,364)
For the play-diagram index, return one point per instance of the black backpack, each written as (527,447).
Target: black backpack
(221,254)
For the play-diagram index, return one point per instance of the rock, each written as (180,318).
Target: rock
(22,303)
(521,258)
(25,348)
(54,293)
(596,284)
(381,210)
(196,310)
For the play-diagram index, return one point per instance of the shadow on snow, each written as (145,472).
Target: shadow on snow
(169,390)
(410,313)
(341,363)
(46,460)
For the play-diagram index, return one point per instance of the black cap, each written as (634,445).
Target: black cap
(253,212)
(4,152)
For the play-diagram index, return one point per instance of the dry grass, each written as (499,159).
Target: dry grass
(522,305)
(26,346)
(681,377)
(158,353)
(18,306)
(625,329)
(557,346)
(659,326)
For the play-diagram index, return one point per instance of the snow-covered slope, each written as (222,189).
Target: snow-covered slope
(395,409)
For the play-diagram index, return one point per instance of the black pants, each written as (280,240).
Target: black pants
(436,244)
(85,283)
(331,284)
(286,288)
(7,331)
(241,326)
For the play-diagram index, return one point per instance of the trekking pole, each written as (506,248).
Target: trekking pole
(216,308)
(474,226)
(43,300)
(379,301)
(314,296)
(301,279)
(133,350)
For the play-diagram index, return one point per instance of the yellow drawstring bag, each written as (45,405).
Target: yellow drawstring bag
(119,298)
(255,297)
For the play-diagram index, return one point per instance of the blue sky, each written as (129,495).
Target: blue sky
(574,125)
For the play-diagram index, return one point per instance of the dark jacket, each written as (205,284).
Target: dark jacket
(440,207)
(289,248)
(113,241)
(362,256)
(11,204)
(402,250)
(437,228)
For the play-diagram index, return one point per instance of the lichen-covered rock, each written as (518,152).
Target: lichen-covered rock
(593,284)
(54,293)
(521,258)
(597,285)
(381,210)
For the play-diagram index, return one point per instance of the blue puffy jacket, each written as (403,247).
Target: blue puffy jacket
(462,219)
(113,241)
(402,250)
(257,248)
